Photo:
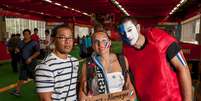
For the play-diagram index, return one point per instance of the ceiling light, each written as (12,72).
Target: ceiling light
(58,4)
(42,13)
(48,1)
(174,9)
(77,11)
(177,6)
(84,13)
(58,17)
(65,6)
(120,7)
(182,1)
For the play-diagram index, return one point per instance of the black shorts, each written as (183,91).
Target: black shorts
(27,71)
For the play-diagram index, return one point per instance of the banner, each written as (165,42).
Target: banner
(119,96)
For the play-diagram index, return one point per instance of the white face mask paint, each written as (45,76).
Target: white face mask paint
(131,32)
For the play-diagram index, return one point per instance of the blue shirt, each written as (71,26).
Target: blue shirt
(28,49)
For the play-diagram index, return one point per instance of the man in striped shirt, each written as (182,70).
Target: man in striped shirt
(56,76)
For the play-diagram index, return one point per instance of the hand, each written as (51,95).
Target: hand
(82,97)
(17,50)
(132,95)
(29,60)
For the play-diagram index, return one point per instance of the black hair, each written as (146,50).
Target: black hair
(99,28)
(55,29)
(47,31)
(26,30)
(35,29)
(13,35)
(18,34)
(126,18)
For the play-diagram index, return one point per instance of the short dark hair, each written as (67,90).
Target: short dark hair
(99,28)
(35,29)
(18,34)
(47,31)
(55,29)
(126,18)
(13,35)
(26,30)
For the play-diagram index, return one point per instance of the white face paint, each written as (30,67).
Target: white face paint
(131,32)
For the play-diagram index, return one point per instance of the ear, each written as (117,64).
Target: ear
(110,43)
(138,27)
(52,39)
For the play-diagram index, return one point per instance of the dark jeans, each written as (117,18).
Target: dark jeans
(14,62)
(27,70)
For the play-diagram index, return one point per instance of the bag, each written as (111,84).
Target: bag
(122,63)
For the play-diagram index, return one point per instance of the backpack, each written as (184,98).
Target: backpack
(122,63)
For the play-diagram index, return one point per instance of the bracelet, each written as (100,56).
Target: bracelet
(131,93)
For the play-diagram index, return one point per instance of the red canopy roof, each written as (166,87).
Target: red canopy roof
(147,11)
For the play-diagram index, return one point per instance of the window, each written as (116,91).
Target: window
(190,28)
(81,31)
(17,25)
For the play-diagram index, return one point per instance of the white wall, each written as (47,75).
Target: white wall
(190,28)
(17,25)
(81,31)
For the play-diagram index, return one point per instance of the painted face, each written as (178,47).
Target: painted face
(101,43)
(64,40)
(104,43)
(129,32)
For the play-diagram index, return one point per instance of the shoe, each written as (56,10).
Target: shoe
(15,92)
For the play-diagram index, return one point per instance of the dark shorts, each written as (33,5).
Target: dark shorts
(27,71)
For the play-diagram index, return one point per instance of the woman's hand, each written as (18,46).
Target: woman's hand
(82,96)
(133,96)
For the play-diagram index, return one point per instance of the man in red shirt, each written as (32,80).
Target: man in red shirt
(35,36)
(157,63)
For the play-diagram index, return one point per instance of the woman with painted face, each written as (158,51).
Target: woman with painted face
(103,73)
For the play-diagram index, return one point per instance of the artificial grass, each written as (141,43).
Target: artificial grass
(28,93)
(7,77)
(75,52)
(116,47)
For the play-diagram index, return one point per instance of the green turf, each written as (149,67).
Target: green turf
(6,75)
(76,52)
(28,93)
(116,46)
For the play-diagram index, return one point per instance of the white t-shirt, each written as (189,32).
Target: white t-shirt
(58,76)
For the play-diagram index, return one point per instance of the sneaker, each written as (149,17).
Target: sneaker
(15,92)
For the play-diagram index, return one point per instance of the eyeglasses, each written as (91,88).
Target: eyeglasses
(65,38)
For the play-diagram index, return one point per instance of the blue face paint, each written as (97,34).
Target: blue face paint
(106,42)
(122,32)
(128,32)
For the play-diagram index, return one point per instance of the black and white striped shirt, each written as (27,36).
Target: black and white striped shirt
(58,76)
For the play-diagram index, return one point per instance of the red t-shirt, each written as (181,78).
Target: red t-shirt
(35,37)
